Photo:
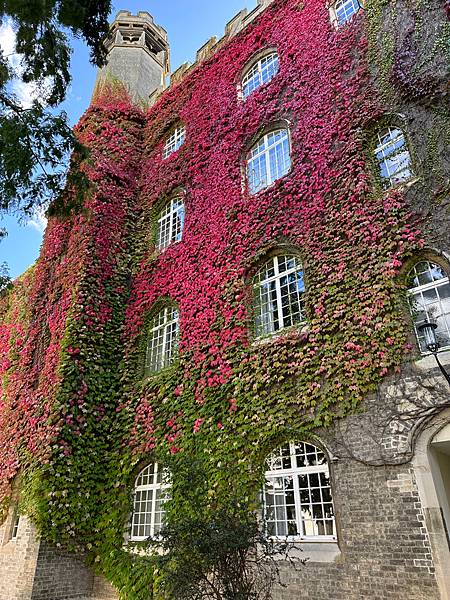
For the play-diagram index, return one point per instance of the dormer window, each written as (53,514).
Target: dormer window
(175,140)
(259,73)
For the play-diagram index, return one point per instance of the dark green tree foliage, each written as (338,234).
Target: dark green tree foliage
(4,273)
(35,142)
(214,549)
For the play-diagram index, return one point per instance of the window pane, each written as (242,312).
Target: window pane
(297,501)
(170,223)
(393,157)
(261,72)
(429,299)
(162,342)
(150,493)
(345,9)
(268,160)
(174,141)
(279,299)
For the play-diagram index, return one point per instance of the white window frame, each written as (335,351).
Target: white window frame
(170,223)
(384,156)
(174,141)
(274,473)
(261,72)
(264,324)
(419,290)
(261,153)
(334,8)
(157,489)
(162,340)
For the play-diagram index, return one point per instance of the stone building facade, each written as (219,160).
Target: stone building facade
(287,69)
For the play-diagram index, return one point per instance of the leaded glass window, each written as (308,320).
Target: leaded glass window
(429,297)
(297,493)
(170,223)
(174,141)
(392,154)
(259,73)
(162,341)
(268,160)
(151,490)
(279,294)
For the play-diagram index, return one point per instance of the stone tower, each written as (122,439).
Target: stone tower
(138,55)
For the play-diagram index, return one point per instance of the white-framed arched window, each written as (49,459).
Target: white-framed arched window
(392,156)
(151,490)
(169,228)
(175,140)
(279,294)
(259,73)
(268,160)
(297,494)
(162,341)
(429,298)
(343,10)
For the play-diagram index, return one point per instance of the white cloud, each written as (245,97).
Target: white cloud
(7,39)
(38,220)
(25,93)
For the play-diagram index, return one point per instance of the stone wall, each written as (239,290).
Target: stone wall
(18,558)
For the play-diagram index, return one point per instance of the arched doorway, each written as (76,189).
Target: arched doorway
(439,452)
(431,464)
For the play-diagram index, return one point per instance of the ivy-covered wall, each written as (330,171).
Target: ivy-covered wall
(77,416)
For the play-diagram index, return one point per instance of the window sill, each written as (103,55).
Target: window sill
(427,362)
(403,185)
(294,332)
(314,551)
(140,548)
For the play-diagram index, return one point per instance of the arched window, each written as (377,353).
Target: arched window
(260,72)
(392,155)
(151,490)
(297,493)
(170,223)
(344,10)
(174,141)
(429,297)
(268,160)
(278,291)
(162,341)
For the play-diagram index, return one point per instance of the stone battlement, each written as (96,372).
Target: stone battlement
(239,22)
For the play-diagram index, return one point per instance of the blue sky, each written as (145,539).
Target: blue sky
(189,23)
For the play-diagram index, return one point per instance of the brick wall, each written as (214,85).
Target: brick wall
(60,576)
(385,551)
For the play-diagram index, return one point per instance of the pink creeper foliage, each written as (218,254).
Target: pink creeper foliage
(76,408)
